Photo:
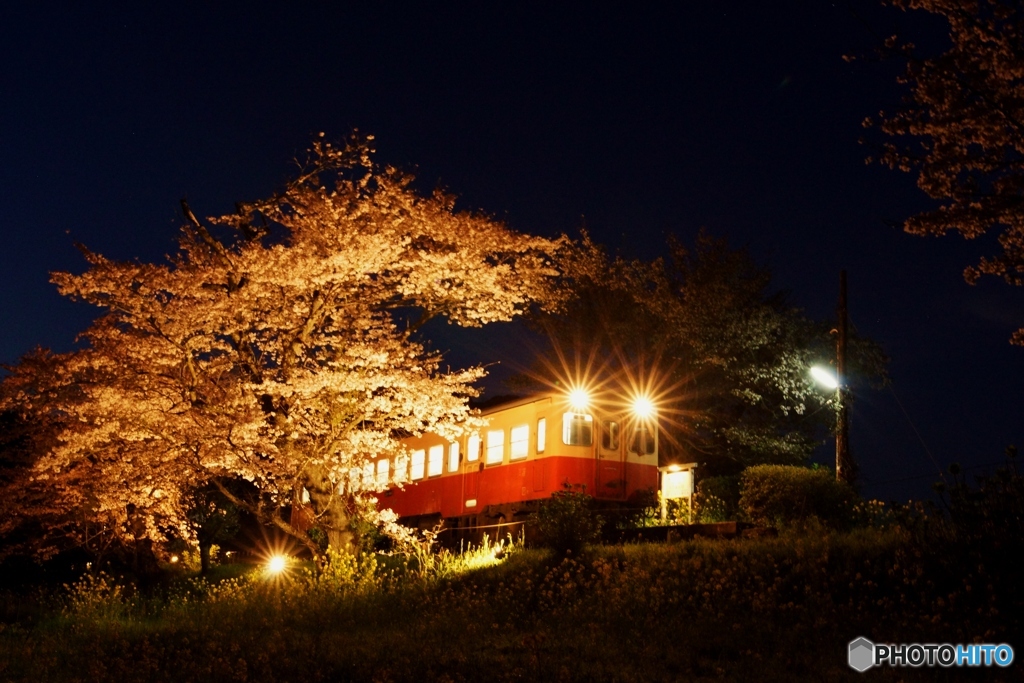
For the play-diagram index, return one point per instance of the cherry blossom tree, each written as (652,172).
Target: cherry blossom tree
(961,129)
(277,347)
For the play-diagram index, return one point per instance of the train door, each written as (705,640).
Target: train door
(471,475)
(611,466)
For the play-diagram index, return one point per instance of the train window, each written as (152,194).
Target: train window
(401,468)
(418,456)
(577,429)
(453,457)
(642,442)
(519,442)
(354,477)
(495,446)
(368,470)
(435,460)
(473,448)
(610,436)
(382,472)
(542,434)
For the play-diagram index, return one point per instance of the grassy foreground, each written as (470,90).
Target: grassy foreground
(742,610)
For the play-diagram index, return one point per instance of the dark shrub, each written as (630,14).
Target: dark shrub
(566,521)
(992,510)
(784,495)
(641,510)
(973,537)
(716,499)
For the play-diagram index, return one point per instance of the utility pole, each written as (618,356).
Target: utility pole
(844,463)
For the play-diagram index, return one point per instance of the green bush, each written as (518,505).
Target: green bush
(709,508)
(785,495)
(716,499)
(566,522)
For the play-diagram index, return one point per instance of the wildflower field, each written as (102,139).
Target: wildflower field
(745,610)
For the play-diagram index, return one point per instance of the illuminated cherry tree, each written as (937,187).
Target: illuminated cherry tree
(277,347)
(961,129)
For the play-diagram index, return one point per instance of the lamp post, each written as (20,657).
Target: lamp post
(844,463)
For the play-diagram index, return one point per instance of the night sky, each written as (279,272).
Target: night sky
(637,123)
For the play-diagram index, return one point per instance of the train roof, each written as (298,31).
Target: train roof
(505,402)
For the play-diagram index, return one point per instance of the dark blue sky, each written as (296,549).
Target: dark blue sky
(741,117)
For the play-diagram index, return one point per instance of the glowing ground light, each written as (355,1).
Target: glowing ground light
(643,408)
(276,564)
(824,377)
(579,399)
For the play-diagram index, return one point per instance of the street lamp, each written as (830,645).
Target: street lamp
(824,377)
(844,463)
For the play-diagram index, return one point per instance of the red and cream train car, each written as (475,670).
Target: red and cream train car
(529,449)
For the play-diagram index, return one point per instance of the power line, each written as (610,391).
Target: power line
(916,432)
(913,426)
(924,476)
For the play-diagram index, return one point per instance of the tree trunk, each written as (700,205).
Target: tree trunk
(269,517)
(144,562)
(342,540)
(146,566)
(204,557)
(332,512)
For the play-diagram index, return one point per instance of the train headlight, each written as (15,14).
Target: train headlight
(643,408)
(579,399)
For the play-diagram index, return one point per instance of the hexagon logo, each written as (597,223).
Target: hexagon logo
(862,654)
